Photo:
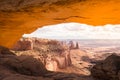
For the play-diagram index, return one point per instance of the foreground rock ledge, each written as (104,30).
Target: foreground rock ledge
(13,67)
(109,69)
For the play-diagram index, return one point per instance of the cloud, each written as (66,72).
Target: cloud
(77,31)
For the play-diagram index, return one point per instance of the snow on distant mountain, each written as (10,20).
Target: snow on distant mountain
(77,31)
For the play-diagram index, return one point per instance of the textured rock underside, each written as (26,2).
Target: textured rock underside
(23,16)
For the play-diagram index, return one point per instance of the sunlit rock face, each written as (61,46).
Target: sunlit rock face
(53,54)
(22,16)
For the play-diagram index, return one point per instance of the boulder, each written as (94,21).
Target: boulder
(23,67)
(26,65)
(108,69)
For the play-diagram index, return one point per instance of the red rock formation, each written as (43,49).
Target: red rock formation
(63,60)
(23,44)
(73,45)
(56,56)
(53,54)
(22,65)
(77,45)
(26,65)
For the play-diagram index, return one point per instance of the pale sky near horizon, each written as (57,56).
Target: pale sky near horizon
(77,31)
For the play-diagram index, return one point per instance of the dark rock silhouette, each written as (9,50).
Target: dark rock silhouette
(13,67)
(108,69)
(5,51)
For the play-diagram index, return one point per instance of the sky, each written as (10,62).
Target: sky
(74,30)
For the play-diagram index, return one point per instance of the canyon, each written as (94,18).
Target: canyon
(32,58)
(55,55)
(47,59)
(44,60)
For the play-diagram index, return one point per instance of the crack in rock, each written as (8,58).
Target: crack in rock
(70,17)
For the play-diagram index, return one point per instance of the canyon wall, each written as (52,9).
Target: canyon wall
(52,53)
(28,66)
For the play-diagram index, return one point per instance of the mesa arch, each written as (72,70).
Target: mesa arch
(24,16)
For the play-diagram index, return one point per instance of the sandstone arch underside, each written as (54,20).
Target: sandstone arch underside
(24,16)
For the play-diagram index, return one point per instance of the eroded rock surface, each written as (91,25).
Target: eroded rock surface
(58,56)
(13,67)
(23,45)
(28,66)
(52,53)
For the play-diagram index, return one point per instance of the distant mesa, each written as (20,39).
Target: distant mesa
(73,45)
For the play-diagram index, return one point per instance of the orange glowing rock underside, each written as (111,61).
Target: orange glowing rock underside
(13,24)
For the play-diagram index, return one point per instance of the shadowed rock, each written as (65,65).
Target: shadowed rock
(26,67)
(108,69)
